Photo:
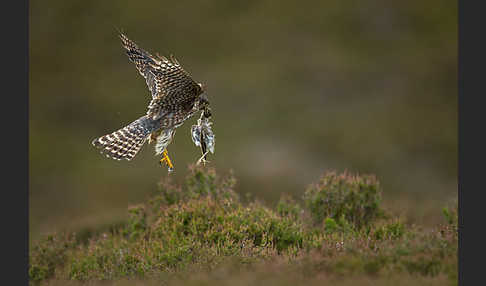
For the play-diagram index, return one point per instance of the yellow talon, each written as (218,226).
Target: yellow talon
(167,160)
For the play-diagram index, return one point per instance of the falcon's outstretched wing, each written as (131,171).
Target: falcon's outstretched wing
(168,82)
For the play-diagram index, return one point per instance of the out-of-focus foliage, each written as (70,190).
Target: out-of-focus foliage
(353,198)
(296,87)
(207,226)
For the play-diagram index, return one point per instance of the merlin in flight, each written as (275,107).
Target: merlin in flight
(175,98)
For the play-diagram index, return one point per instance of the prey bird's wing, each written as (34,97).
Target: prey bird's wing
(168,82)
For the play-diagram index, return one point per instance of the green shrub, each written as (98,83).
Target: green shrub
(202,221)
(200,182)
(203,224)
(167,194)
(427,266)
(137,221)
(287,206)
(450,213)
(48,254)
(355,198)
(390,230)
(330,225)
(210,222)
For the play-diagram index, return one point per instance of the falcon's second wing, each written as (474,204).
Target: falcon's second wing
(144,62)
(168,82)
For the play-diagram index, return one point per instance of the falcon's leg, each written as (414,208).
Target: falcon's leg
(165,159)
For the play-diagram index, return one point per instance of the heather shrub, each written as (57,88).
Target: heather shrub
(450,213)
(355,198)
(48,254)
(137,222)
(287,206)
(200,182)
(202,221)
(202,225)
(391,230)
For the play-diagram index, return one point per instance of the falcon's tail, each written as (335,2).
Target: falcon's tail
(127,141)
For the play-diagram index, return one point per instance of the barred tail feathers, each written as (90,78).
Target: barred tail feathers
(127,141)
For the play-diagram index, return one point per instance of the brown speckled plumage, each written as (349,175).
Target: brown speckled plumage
(175,98)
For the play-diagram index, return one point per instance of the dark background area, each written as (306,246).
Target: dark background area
(295,87)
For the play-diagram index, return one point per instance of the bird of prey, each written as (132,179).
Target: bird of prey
(175,98)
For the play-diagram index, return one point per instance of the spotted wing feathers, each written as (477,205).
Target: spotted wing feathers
(145,64)
(167,81)
(162,75)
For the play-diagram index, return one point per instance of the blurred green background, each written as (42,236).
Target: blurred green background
(296,88)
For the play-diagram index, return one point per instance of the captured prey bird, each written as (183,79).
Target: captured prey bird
(176,97)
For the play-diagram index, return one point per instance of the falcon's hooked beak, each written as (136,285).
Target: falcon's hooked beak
(202,86)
